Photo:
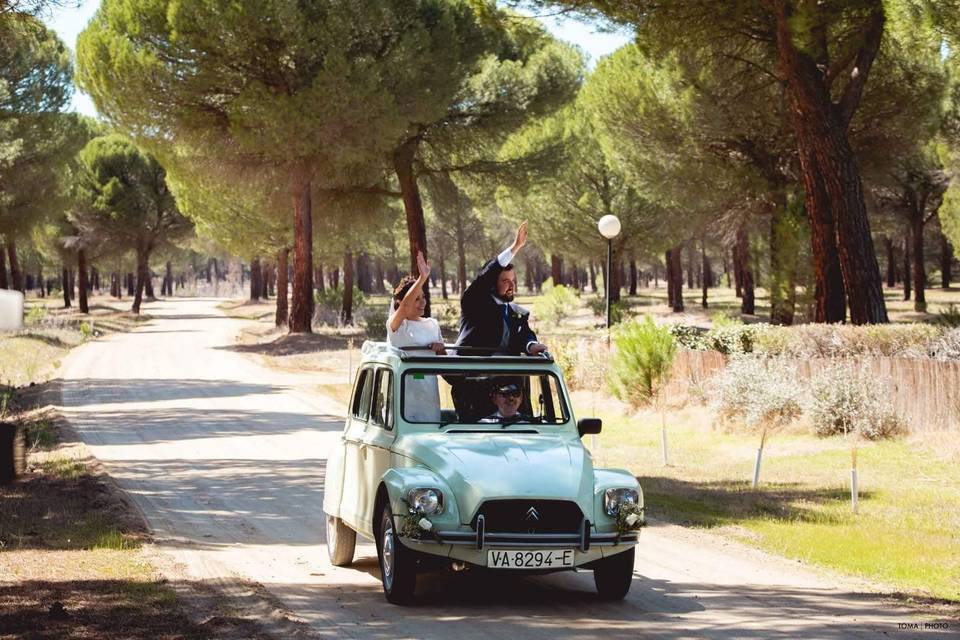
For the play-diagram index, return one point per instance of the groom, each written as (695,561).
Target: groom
(488,315)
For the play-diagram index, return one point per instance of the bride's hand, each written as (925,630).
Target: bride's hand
(423,266)
(438,348)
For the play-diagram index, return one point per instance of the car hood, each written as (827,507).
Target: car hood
(484,466)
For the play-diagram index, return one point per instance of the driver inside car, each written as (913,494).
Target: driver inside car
(507,396)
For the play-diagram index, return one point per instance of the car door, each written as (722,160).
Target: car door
(353,435)
(377,439)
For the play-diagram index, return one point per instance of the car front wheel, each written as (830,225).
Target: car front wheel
(341,542)
(398,568)
(614,575)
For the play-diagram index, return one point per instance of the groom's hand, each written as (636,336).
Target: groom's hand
(521,238)
(536,348)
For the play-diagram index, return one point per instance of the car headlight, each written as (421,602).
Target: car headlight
(614,498)
(426,501)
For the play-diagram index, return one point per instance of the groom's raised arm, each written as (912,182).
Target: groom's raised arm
(485,282)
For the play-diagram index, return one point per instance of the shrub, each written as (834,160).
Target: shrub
(375,323)
(86,330)
(836,341)
(763,391)
(330,303)
(555,304)
(731,338)
(690,337)
(584,362)
(36,315)
(947,347)
(949,317)
(619,310)
(642,360)
(844,400)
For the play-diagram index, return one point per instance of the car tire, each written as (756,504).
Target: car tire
(341,542)
(614,575)
(398,567)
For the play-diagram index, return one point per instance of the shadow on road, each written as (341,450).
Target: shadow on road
(506,605)
(88,391)
(718,503)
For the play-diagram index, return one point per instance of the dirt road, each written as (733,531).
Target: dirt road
(226,459)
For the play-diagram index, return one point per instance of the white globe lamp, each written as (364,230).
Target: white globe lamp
(609,226)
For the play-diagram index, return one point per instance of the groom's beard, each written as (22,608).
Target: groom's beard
(507,297)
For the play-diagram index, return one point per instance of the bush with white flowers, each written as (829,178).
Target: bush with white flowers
(845,400)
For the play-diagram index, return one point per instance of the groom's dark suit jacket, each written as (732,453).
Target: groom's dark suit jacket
(482,316)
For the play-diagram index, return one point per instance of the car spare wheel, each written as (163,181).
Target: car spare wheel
(614,575)
(341,541)
(398,567)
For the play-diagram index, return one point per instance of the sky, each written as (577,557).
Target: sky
(69,22)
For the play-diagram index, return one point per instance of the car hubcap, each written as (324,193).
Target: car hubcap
(388,554)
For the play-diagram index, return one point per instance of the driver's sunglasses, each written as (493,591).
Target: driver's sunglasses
(510,394)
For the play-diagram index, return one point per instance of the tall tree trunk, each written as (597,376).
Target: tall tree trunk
(919,270)
(4,284)
(335,278)
(143,274)
(747,304)
(690,262)
(593,276)
(891,262)
(726,268)
(65,278)
(82,273)
(255,287)
(41,289)
(443,273)
(785,219)
(413,208)
(840,230)
(282,286)
(633,276)
(131,284)
(907,278)
(707,274)
(946,262)
(675,278)
(528,269)
(16,276)
(318,278)
(168,279)
(301,304)
(379,276)
(346,312)
(362,272)
(556,272)
(148,286)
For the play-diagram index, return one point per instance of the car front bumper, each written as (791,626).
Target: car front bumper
(472,546)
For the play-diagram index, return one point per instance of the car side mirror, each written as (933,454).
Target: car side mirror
(589,425)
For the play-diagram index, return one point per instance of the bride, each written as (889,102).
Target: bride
(406,327)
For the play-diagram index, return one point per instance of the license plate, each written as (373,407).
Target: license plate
(537,559)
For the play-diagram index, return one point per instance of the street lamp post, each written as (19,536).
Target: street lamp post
(609,226)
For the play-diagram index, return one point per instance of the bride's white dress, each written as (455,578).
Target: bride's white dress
(421,399)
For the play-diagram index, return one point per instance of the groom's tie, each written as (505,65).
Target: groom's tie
(505,337)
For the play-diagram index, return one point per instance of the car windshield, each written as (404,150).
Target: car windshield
(501,398)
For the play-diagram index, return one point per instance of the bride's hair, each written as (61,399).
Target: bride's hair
(401,289)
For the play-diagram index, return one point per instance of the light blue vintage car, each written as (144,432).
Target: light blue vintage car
(431,470)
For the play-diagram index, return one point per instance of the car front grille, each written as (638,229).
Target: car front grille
(530,516)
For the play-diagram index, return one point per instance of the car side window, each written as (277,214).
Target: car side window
(382,411)
(361,394)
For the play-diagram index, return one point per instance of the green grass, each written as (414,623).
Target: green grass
(905,534)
